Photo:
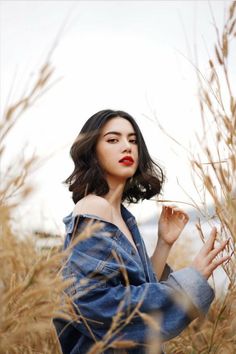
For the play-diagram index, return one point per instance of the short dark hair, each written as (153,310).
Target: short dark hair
(88,176)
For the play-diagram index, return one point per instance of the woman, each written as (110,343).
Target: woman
(116,284)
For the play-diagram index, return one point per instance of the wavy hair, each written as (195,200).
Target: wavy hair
(88,176)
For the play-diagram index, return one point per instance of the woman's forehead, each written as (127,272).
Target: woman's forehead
(118,124)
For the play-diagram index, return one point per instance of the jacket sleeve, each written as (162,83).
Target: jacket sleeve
(99,293)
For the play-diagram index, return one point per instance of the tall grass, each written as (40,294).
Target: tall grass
(31,286)
(30,281)
(216,171)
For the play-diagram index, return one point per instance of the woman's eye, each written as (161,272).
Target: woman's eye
(133,141)
(112,140)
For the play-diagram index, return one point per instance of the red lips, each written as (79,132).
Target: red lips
(126,160)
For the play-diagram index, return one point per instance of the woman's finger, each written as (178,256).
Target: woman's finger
(167,211)
(209,245)
(174,210)
(217,262)
(217,250)
(164,211)
(170,208)
(184,216)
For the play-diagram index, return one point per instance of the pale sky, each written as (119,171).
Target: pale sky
(135,56)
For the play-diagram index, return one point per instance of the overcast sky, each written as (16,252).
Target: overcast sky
(135,56)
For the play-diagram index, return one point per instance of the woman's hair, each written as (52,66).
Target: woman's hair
(88,176)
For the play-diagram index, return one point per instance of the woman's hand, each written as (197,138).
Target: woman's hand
(171,223)
(205,262)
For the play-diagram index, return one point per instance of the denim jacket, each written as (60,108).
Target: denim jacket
(110,276)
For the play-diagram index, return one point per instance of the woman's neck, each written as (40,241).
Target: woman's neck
(114,196)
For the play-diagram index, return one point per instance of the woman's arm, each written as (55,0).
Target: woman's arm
(159,258)
(171,223)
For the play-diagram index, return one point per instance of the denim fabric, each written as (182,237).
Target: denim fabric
(101,265)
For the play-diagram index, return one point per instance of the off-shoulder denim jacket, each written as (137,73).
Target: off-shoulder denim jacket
(111,276)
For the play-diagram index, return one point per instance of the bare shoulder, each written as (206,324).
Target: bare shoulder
(94,205)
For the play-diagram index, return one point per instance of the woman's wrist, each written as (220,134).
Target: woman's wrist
(163,244)
(162,248)
(159,257)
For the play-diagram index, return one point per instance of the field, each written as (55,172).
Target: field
(31,285)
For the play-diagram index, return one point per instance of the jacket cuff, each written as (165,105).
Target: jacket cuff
(195,286)
(166,272)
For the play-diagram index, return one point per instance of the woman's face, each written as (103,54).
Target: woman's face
(117,149)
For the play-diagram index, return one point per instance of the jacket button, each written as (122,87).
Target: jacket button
(132,252)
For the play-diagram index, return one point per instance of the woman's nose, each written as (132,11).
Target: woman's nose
(126,146)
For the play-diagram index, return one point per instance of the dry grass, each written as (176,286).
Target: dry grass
(31,286)
(217,175)
(30,296)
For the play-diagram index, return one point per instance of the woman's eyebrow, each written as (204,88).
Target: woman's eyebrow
(118,133)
